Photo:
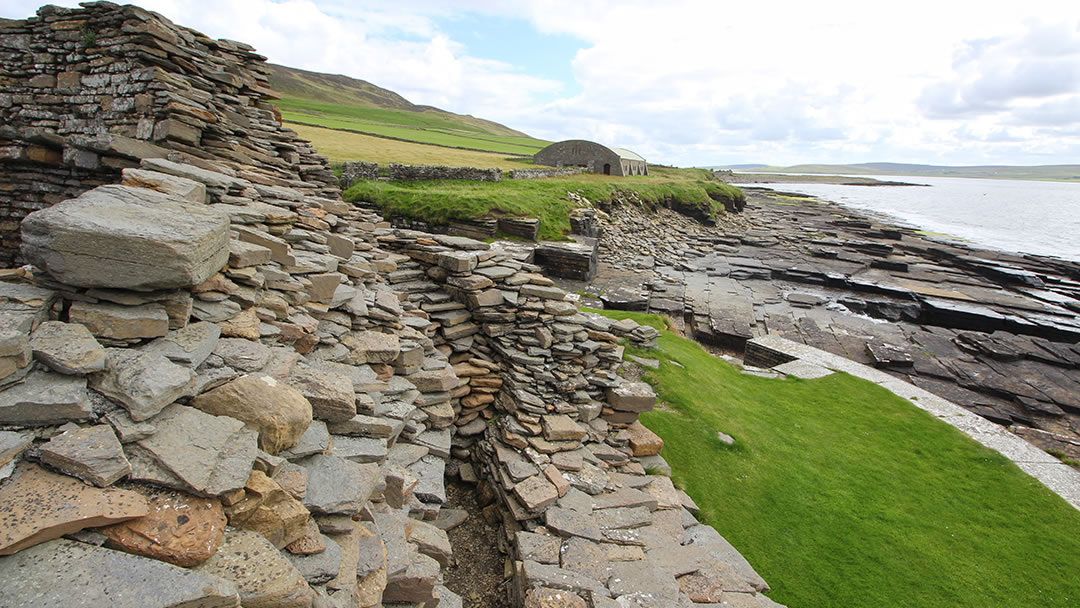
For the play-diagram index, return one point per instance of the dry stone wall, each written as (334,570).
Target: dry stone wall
(542,173)
(401,172)
(87,92)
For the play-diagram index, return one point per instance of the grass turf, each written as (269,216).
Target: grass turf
(687,190)
(842,494)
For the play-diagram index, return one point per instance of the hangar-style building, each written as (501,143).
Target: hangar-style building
(597,158)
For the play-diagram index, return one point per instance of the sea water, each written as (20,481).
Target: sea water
(1022,216)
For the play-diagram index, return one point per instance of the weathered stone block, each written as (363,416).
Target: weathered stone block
(128,238)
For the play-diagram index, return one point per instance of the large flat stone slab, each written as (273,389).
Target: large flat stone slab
(66,573)
(45,398)
(262,575)
(37,505)
(194,451)
(128,238)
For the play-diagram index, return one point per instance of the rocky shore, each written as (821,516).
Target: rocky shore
(994,332)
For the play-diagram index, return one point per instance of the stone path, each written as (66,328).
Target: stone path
(1054,474)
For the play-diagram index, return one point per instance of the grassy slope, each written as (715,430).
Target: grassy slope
(546,199)
(340,146)
(1041,172)
(340,102)
(842,494)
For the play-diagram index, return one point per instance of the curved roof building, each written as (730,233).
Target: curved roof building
(597,158)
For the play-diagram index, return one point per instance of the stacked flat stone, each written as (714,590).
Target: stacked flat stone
(244,362)
(93,90)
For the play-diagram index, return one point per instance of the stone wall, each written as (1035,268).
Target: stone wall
(90,91)
(542,173)
(401,172)
(357,170)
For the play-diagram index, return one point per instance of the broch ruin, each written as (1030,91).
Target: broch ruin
(223,386)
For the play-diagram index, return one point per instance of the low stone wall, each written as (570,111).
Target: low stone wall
(542,173)
(357,170)
(401,172)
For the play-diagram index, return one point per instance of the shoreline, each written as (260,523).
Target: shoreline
(998,333)
(784,178)
(933,226)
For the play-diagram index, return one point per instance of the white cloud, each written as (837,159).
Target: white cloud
(696,82)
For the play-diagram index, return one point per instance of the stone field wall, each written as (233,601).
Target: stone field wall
(222,385)
(411,173)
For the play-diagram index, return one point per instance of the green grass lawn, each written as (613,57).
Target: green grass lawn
(687,190)
(842,494)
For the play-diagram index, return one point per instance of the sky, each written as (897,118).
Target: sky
(695,83)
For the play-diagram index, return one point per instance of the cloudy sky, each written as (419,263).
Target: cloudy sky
(703,83)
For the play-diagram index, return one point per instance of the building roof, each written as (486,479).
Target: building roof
(625,154)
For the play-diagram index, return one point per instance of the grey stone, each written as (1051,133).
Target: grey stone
(337,485)
(128,238)
(64,573)
(319,568)
(92,454)
(359,449)
(189,346)
(315,440)
(194,451)
(367,426)
(631,397)
(118,322)
(262,575)
(45,398)
(214,312)
(538,547)
(143,383)
(243,355)
(182,188)
(212,179)
(543,575)
(572,523)
(431,487)
(12,445)
(643,578)
(331,394)
(416,584)
(431,541)
(67,348)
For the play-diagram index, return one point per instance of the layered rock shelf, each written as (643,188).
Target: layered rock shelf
(220,385)
(996,333)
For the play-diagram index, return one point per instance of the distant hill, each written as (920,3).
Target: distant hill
(348,104)
(1035,172)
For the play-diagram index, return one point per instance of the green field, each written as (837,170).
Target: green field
(341,146)
(427,127)
(844,495)
(691,191)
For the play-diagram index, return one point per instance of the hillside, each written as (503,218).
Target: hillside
(1035,172)
(347,105)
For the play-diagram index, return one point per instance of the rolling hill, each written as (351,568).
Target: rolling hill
(349,105)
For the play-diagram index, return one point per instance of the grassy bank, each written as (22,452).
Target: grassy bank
(690,191)
(842,494)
